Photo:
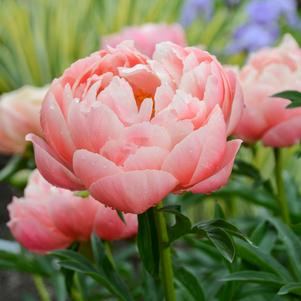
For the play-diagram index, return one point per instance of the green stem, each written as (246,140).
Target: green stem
(281,197)
(41,288)
(165,255)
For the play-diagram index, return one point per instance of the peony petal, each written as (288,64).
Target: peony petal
(109,226)
(50,167)
(55,129)
(37,238)
(133,191)
(197,155)
(90,167)
(220,178)
(92,127)
(163,97)
(32,227)
(146,158)
(146,110)
(81,213)
(147,134)
(136,78)
(119,97)
(284,134)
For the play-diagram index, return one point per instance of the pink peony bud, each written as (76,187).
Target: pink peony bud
(132,129)
(146,36)
(19,115)
(49,218)
(266,118)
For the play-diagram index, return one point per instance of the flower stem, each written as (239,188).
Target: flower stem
(41,288)
(282,202)
(165,255)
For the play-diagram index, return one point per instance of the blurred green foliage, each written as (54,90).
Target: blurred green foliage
(40,38)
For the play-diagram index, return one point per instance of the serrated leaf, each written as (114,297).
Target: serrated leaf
(147,242)
(293,96)
(191,283)
(290,288)
(253,277)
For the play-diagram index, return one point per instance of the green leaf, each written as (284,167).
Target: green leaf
(247,169)
(290,288)
(218,211)
(71,260)
(253,276)
(106,266)
(229,228)
(191,283)
(12,166)
(182,224)
(264,261)
(223,242)
(293,96)
(121,216)
(259,196)
(72,255)
(13,257)
(292,244)
(147,242)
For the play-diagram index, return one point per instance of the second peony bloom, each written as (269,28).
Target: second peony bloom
(267,118)
(131,129)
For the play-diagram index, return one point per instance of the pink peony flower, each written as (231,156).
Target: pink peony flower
(109,226)
(49,218)
(19,115)
(266,118)
(131,129)
(146,36)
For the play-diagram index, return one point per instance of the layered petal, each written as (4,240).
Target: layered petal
(221,175)
(197,155)
(91,167)
(284,134)
(49,166)
(133,191)
(35,232)
(78,224)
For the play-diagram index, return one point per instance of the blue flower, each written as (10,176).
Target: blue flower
(193,9)
(262,27)
(251,37)
(268,11)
